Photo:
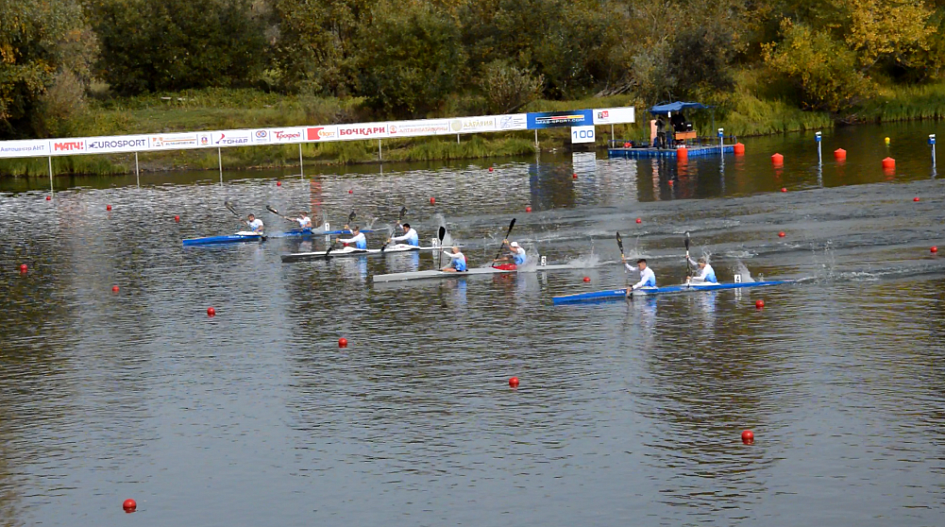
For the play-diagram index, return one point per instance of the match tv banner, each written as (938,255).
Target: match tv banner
(540,120)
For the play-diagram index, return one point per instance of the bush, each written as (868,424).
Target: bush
(507,88)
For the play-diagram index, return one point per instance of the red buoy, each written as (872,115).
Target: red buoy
(108,207)
(211,312)
(177,219)
(350,191)
(23,268)
(342,342)
(627,145)
(915,198)
(587,278)
(574,176)
(781,234)
(670,182)
(278,183)
(48,198)
(738,149)
(490,169)
(432,201)
(840,154)
(889,163)
(760,304)
(513,382)
(933,250)
(748,437)
(528,208)
(639,220)
(783,189)
(114,289)
(777,160)
(129,505)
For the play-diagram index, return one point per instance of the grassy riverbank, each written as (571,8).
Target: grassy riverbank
(749,110)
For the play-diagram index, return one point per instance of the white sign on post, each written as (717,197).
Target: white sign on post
(582,134)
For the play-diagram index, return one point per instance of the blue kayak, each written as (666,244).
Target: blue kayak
(241,237)
(619,294)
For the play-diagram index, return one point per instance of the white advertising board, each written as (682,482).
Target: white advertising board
(614,115)
(286,135)
(418,128)
(117,144)
(231,138)
(31,148)
(471,125)
(178,141)
(321,133)
(582,134)
(347,132)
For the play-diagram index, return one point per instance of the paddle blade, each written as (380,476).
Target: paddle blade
(620,243)
(403,212)
(351,217)
(687,242)
(441,234)
(511,225)
(272,210)
(229,206)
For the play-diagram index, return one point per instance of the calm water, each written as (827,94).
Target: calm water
(627,413)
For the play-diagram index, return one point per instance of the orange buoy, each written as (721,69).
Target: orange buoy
(513,382)
(639,220)
(114,289)
(48,198)
(739,149)
(781,234)
(748,437)
(177,219)
(278,183)
(587,278)
(840,154)
(759,304)
(129,505)
(626,145)
(889,163)
(342,342)
(777,160)
(432,201)
(933,250)
(211,312)
(682,154)
(528,208)
(24,268)
(108,207)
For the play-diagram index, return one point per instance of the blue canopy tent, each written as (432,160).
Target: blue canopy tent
(678,106)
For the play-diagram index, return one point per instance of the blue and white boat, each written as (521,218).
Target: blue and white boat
(248,236)
(619,294)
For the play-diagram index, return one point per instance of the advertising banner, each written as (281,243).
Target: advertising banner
(614,115)
(347,132)
(260,137)
(418,128)
(321,133)
(286,135)
(513,121)
(469,125)
(178,141)
(231,138)
(116,144)
(539,120)
(24,148)
(64,147)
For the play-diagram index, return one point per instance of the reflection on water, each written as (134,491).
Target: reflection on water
(627,410)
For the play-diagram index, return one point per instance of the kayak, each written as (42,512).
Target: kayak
(617,294)
(247,236)
(352,251)
(425,275)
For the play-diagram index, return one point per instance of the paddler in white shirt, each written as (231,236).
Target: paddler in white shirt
(255,225)
(359,241)
(516,256)
(647,277)
(304,221)
(706,274)
(457,261)
(410,236)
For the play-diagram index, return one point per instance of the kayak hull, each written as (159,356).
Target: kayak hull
(618,294)
(243,237)
(427,275)
(351,251)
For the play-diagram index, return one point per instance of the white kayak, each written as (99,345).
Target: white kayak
(352,251)
(425,275)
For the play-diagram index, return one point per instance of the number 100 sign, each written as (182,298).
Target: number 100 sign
(582,134)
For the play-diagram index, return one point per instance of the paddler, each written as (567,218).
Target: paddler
(410,236)
(706,274)
(305,222)
(516,256)
(457,261)
(255,225)
(358,239)
(647,278)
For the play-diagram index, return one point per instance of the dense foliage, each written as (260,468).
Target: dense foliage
(412,58)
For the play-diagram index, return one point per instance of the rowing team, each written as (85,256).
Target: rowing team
(705,275)
(304,221)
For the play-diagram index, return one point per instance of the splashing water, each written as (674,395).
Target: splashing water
(743,272)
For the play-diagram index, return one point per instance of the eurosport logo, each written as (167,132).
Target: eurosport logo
(69,146)
(554,119)
(232,140)
(319,133)
(363,131)
(119,144)
(559,120)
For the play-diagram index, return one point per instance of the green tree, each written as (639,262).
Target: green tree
(409,59)
(151,45)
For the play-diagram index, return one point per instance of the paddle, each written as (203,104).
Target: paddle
(441,234)
(688,262)
(331,246)
(400,218)
(624,260)
(507,234)
(274,211)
